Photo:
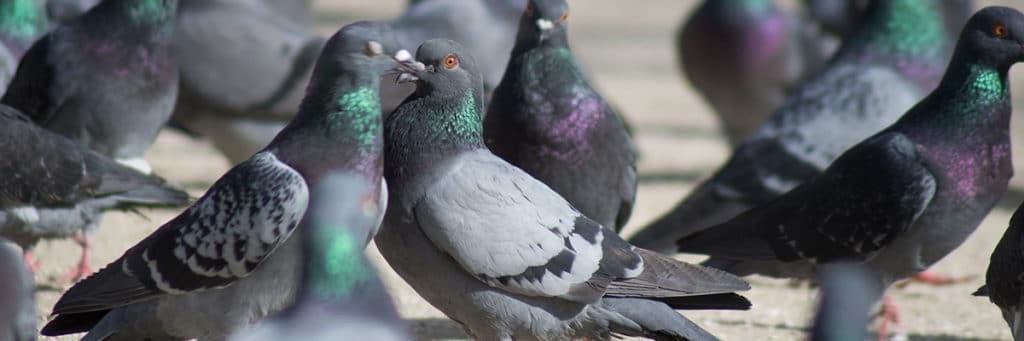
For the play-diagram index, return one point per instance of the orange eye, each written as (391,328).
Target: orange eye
(450,62)
(565,17)
(999,30)
(529,9)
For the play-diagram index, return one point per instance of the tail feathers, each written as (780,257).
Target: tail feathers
(707,302)
(666,277)
(73,323)
(703,208)
(981,292)
(654,320)
(106,289)
(163,195)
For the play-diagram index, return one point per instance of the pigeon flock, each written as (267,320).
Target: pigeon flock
(466,141)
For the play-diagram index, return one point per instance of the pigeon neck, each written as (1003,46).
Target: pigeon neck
(338,124)
(145,18)
(910,32)
(426,130)
(742,7)
(972,99)
(21,22)
(335,268)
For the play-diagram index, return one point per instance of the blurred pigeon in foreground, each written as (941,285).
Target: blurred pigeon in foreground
(21,23)
(1004,281)
(53,187)
(228,261)
(341,296)
(904,198)
(845,301)
(547,120)
(503,254)
(17,292)
(244,70)
(744,57)
(893,60)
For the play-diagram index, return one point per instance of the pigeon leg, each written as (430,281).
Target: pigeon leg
(890,316)
(84,268)
(31,262)
(934,279)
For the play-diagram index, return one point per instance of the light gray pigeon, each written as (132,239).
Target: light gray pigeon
(1004,280)
(244,68)
(228,261)
(745,57)
(53,187)
(844,303)
(892,61)
(904,198)
(341,296)
(17,292)
(500,252)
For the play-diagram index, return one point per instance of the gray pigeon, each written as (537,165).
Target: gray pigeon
(341,296)
(840,17)
(500,252)
(228,261)
(21,23)
(1004,281)
(17,292)
(547,120)
(904,198)
(744,57)
(67,10)
(892,61)
(105,79)
(844,303)
(55,188)
(244,68)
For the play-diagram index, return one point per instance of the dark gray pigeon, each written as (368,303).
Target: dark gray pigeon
(244,68)
(1004,281)
(893,60)
(840,17)
(67,10)
(904,198)
(744,57)
(501,253)
(105,79)
(341,296)
(228,261)
(547,120)
(846,297)
(21,23)
(55,188)
(17,292)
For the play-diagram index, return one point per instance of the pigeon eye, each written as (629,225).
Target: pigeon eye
(450,62)
(999,30)
(565,17)
(529,9)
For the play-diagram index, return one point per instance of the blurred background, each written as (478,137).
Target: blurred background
(628,49)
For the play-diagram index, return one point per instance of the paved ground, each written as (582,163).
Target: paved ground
(626,45)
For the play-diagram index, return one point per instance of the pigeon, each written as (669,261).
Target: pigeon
(18,313)
(892,61)
(55,188)
(844,303)
(228,261)
(744,57)
(545,119)
(67,10)
(21,23)
(487,28)
(840,17)
(105,79)
(500,252)
(244,67)
(341,296)
(903,198)
(1004,283)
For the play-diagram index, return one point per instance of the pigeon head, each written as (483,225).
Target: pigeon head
(544,23)
(444,69)
(993,37)
(361,48)
(141,12)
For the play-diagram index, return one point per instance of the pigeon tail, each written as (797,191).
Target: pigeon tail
(655,320)
(665,278)
(703,208)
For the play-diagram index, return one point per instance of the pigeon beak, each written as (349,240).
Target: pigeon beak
(544,26)
(407,67)
(406,77)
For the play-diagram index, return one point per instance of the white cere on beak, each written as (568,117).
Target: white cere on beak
(406,78)
(419,66)
(403,55)
(544,24)
(374,48)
